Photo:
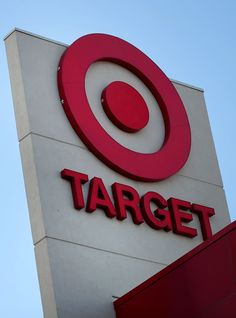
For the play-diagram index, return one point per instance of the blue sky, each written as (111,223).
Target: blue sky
(192,41)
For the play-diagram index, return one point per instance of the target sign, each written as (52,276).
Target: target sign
(124,107)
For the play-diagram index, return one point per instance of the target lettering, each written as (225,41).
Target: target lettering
(172,214)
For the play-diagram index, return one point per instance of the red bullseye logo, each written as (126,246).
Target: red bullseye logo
(125,108)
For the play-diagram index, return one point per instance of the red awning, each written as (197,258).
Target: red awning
(201,284)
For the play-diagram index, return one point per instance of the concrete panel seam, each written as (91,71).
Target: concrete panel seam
(196,179)
(84,148)
(53,139)
(99,249)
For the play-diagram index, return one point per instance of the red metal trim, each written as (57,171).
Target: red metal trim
(177,264)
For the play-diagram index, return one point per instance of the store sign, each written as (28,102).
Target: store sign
(125,107)
(108,204)
(168,214)
(127,110)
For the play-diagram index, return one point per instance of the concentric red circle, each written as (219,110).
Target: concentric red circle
(125,107)
(73,67)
